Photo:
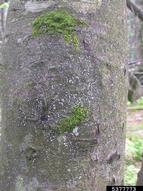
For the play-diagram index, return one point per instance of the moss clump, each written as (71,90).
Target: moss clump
(77,116)
(58,22)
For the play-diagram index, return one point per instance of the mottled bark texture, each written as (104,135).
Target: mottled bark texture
(46,81)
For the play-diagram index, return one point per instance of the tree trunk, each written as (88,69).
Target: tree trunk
(140,177)
(64,97)
(135,36)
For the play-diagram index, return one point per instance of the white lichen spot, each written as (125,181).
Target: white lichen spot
(54,107)
(19,40)
(79,177)
(75,131)
(94,156)
(70,81)
(69,170)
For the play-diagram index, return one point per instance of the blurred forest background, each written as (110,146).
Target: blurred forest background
(134,139)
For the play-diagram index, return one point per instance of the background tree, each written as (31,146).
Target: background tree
(135,59)
(135,31)
(137,8)
(64,96)
(140,177)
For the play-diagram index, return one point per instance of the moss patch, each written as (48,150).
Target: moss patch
(58,22)
(77,116)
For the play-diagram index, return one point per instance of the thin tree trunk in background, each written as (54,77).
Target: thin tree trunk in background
(136,7)
(140,177)
(135,36)
(44,79)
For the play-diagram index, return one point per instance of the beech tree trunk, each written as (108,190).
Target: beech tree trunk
(44,79)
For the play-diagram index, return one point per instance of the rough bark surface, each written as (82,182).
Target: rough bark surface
(44,78)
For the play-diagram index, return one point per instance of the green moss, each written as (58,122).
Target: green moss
(77,116)
(58,22)
(134,147)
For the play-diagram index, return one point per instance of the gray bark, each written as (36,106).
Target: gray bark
(44,78)
(140,177)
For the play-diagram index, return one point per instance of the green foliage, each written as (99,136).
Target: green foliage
(130,176)
(128,103)
(4,5)
(130,151)
(134,148)
(136,105)
(138,144)
(76,117)
(140,101)
(58,22)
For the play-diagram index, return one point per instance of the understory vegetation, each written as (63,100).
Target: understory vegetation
(134,142)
